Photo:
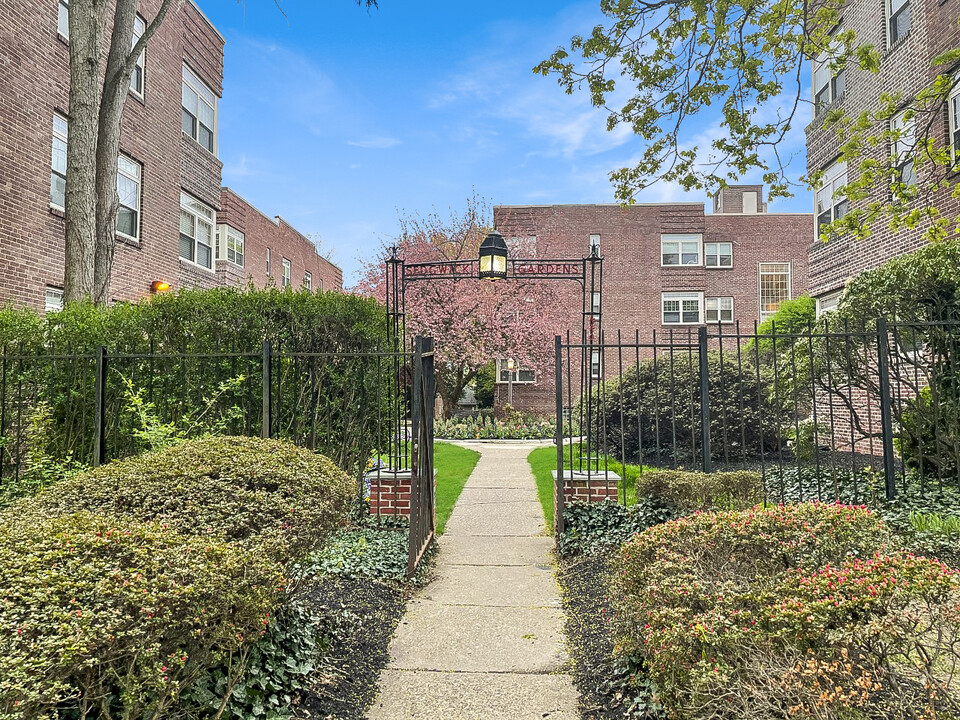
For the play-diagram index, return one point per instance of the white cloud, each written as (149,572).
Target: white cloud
(375,143)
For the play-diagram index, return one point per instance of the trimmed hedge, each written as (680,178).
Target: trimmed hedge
(237,489)
(691,491)
(791,611)
(107,616)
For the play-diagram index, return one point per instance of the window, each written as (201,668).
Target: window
(749,202)
(595,303)
(828,85)
(719,310)
(230,245)
(520,375)
(680,249)
(196,231)
(286,273)
(53,301)
(903,146)
(681,308)
(774,287)
(128,189)
(898,22)
(63,18)
(955,124)
(830,204)
(58,165)
(136,80)
(268,262)
(594,244)
(829,302)
(308,281)
(596,364)
(718,254)
(199,110)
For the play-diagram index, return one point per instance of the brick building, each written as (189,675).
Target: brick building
(670,266)
(169,174)
(257,248)
(909,34)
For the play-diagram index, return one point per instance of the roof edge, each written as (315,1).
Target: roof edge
(209,22)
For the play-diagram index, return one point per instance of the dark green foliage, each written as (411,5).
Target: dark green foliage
(366,552)
(486,385)
(745,416)
(686,492)
(204,373)
(592,527)
(267,493)
(105,613)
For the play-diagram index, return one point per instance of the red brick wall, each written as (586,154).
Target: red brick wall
(262,232)
(904,69)
(34,83)
(633,278)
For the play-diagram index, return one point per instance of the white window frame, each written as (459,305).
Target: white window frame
(596,364)
(719,308)
(594,242)
(269,264)
(308,281)
(503,374)
(717,250)
(828,303)
(201,213)
(681,297)
(902,6)
(63,18)
(764,314)
(285,282)
(231,244)
(139,28)
(904,146)
(59,135)
(826,79)
(834,179)
(133,172)
(954,111)
(53,299)
(680,240)
(204,95)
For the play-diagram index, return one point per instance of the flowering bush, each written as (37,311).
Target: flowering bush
(515,427)
(793,612)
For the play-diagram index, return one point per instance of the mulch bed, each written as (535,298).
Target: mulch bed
(600,680)
(346,685)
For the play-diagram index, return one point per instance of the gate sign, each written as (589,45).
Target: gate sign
(441,270)
(554,268)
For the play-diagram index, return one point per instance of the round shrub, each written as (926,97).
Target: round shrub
(268,493)
(791,611)
(108,617)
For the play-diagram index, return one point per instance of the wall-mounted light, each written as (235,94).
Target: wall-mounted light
(159,286)
(493,257)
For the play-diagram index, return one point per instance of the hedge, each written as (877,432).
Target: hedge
(691,491)
(246,490)
(109,617)
(793,611)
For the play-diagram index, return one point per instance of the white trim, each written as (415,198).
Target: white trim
(207,218)
(764,315)
(953,128)
(720,309)
(200,88)
(681,296)
(719,254)
(888,17)
(905,145)
(141,61)
(308,280)
(834,179)
(138,179)
(828,302)
(61,136)
(63,14)
(501,368)
(680,239)
(53,299)
(286,273)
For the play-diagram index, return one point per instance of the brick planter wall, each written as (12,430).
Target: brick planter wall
(599,487)
(390,494)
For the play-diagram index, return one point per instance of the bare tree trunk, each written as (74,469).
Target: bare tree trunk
(86,24)
(94,139)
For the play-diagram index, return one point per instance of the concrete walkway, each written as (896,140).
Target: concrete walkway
(484,641)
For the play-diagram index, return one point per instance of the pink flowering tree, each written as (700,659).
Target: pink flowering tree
(472,321)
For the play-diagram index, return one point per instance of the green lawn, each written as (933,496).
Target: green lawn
(543,461)
(453,465)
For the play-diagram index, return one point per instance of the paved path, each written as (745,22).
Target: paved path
(484,641)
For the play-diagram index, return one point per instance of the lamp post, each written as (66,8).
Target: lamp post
(510,366)
(493,257)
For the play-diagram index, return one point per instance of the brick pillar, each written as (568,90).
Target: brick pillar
(598,487)
(390,494)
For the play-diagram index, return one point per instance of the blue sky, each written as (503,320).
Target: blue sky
(338,118)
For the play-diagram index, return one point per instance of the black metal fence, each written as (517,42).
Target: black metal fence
(829,412)
(90,408)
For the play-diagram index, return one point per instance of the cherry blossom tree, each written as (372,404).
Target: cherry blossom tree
(472,321)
